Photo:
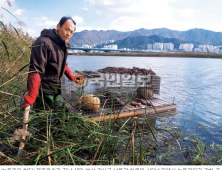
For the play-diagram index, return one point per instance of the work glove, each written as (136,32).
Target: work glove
(70,76)
(33,89)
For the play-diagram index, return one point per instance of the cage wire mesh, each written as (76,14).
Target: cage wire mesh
(117,92)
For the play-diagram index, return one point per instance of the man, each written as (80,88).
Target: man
(48,64)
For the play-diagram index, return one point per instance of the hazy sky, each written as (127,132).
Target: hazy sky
(121,15)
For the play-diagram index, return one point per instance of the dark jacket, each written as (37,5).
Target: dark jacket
(48,58)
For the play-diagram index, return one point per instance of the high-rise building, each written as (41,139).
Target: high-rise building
(168,46)
(112,46)
(186,47)
(149,46)
(158,46)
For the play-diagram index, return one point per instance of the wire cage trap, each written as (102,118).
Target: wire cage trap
(117,92)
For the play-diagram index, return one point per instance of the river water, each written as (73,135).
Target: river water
(195,83)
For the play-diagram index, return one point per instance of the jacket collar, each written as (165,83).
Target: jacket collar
(52,34)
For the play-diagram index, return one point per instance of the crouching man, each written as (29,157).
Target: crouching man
(48,65)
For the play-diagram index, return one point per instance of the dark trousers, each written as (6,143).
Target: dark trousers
(50,102)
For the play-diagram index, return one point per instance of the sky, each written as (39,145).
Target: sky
(120,15)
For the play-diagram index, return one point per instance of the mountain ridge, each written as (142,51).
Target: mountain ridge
(140,42)
(196,36)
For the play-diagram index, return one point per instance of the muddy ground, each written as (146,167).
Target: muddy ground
(123,70)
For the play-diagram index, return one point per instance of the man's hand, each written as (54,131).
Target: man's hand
(78,79)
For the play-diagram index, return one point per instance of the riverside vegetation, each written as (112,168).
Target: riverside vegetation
(154,54)
(61,138)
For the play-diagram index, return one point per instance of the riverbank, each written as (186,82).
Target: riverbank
(65,139)
(148,54)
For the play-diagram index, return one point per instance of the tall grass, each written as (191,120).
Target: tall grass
(14,57)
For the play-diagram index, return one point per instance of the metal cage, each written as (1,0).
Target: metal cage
(120,94)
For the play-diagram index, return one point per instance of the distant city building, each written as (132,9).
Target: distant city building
(87,46)
(109,41)
(149,46)
(211,48)
(112,46)
(106,42)
(217,50)
(124,49)
(197,50)
(168,46)
(71,51)
(186,47)
(161,46)
(158,46)
(208,48)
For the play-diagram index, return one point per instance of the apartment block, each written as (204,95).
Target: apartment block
(186,47)
(158,46)
(149,46)
(168,46)
(112,46)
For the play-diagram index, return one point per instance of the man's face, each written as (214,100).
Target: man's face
(67,30)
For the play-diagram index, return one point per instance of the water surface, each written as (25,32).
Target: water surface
(195,83)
